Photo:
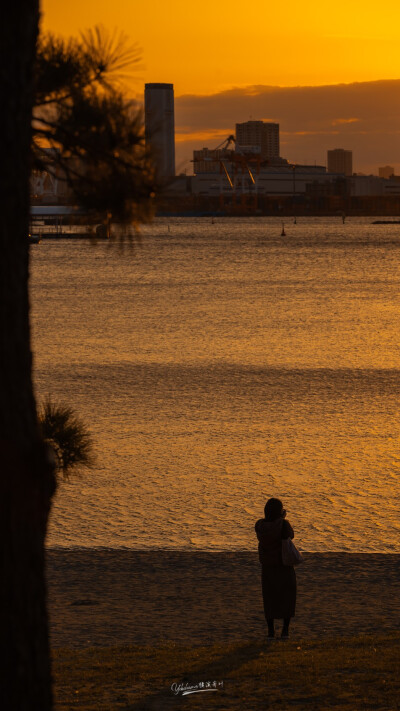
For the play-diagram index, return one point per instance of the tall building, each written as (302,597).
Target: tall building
(160,127)
(386,171)
(340,161)
(259,135)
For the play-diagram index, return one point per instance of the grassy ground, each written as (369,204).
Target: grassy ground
(343,674)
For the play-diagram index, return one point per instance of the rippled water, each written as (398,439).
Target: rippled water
(218,365)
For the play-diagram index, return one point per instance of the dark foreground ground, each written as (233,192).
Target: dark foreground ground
(347,674)
(127,626)
(118,597)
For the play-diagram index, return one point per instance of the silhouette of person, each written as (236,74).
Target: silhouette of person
(278,581)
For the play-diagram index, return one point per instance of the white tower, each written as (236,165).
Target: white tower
(160,127)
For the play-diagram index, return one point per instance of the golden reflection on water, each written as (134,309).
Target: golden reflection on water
(220,365)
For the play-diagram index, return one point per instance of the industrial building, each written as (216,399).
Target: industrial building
(242,178)
(340,161)
(160,128)
(241,170)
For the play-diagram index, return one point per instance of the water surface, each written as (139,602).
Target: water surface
(218,365)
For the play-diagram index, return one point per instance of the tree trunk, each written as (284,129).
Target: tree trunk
(26,475)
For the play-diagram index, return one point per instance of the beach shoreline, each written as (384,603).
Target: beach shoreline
(117,597)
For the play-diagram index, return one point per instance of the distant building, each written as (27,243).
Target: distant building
(340,161)
(160,127)
(259,136)
(208,160)
(386,171)
(371,185)
(50,187)
(268,180)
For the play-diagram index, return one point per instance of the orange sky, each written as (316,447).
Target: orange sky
(209,46)
(218,48)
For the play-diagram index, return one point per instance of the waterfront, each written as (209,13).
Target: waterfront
(220,364)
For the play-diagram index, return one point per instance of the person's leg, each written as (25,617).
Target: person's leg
(267,601)
(285,628)
(271,628)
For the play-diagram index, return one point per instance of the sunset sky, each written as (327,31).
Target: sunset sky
(216,48)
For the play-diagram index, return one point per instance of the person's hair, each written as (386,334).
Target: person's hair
(273,509)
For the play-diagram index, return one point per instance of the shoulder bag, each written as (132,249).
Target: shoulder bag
(290,554)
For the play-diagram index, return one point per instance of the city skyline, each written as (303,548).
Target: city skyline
(363,117)
(343,88)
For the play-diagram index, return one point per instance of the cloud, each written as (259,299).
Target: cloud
(186,134)
(339,121)
(363,117)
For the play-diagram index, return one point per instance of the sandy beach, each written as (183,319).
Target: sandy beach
(124,597)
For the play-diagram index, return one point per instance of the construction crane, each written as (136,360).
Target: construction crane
(238,152)
(245,162)
(239,162)
(224,146)
(236,176)
(226,143)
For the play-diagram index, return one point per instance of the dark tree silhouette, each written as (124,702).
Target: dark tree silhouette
(103,144)
(95,134)
(26,476)
(69,437)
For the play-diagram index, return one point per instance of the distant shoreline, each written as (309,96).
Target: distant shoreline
(199,551)
(288,214)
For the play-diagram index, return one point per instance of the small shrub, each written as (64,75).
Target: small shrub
(68,435)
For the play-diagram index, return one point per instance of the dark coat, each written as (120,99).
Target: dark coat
(278,580)
(270,534)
